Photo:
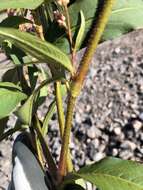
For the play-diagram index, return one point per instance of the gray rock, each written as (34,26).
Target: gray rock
(137,125)
(98,156)
(117,130)
(93,132)
(141,116)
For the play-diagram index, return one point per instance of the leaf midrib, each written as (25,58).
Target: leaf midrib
(116,178)
(126,9)
(29,44)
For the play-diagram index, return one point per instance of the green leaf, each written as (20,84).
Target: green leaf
(48,116)
(10,97)
(9,85)
(114,174)
(15,4)
(14,21)
(80,34)
(39,49)
(24,113)
(126,16)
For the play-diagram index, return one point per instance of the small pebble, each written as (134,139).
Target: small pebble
(98,156)
(117,130)
(91,132)
(137,125)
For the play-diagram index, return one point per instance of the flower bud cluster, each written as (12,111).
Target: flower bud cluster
(60,18)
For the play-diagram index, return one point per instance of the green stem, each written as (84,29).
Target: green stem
(61,119)
(47,154)
(66,137)
(92,46)
(39,152)
(79,78)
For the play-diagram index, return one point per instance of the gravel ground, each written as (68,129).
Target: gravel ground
(108,118)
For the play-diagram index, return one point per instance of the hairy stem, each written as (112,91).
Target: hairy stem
(79,78)
(94,39)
